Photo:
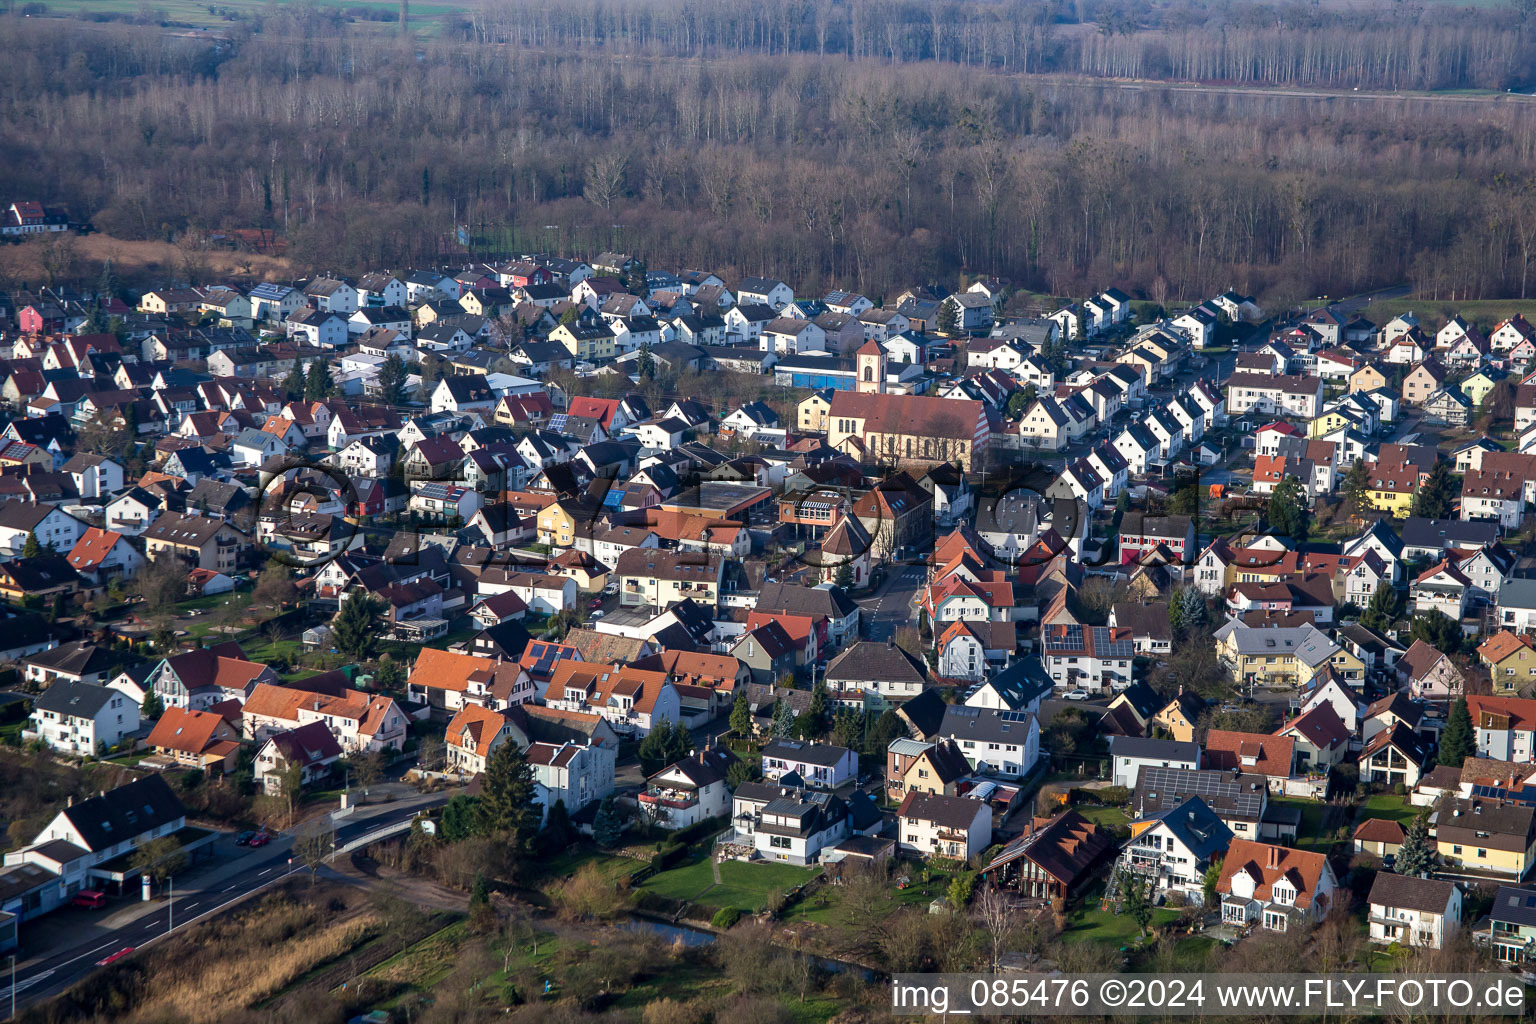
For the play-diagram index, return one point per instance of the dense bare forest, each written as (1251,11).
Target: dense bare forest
(363,150)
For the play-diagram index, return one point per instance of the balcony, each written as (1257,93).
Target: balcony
(676,799)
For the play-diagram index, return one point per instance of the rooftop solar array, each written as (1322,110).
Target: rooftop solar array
(1169,787)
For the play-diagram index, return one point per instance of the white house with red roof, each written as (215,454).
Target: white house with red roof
(1320,735)
(103,555)
(1274,887)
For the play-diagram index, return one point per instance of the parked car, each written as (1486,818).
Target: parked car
(1075,695)
(261,838)
(244,838)
(90,899)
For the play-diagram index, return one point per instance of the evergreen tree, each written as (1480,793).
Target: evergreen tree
(1438,630)
(677,741)
(1437,496)
(741,716)
(557,829)
(1457,741)
(1356,484)
(1416,856)
(392,375)
(293,384)
(742,771)
(817,713)
(1135,901)
(949,318)
(1382,611)
(507,805)
(645,365)
(1289,512)
(461,818)
(783,719)
(479,892)
(152,707)
(844,578)
(608,827)
(31,548)
(1186,611)
(319,384)
(353,627)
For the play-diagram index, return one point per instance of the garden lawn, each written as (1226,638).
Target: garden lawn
(1387,805)
(743,885)
(1310,835)
(1097,925)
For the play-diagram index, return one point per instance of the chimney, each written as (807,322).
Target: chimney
(71,801)
(1181,689)
(1274,856)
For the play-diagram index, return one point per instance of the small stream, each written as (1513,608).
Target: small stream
(688,935)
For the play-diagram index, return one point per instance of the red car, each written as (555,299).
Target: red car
(115,957)
(596,602)
(90,899)
(261,838)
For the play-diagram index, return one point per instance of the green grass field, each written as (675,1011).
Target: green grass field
(1105,816)
(1311,834)
(742,885)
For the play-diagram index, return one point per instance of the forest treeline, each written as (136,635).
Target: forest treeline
(1443,44)
(866,174)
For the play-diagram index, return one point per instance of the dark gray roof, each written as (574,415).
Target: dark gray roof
(1195,825)
(1419,532)
(1514,905)
(869,661)
(986,725)
(832,602)
(1150,749)
(824,754)
(125,813)
(75,700)
(1410,892)
(1022,683)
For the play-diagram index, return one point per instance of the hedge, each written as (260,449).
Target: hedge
(726,918)
(668,855)
(701,829)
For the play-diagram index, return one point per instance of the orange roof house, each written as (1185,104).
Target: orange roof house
(202,739)
(1273,886)
(1252,752)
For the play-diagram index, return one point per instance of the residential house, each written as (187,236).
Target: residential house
(934,825)
(80,719)
(205,740)
(690,790)
(1273,887)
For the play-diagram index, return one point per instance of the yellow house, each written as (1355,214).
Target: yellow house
(1487,835)
(556,524)
(1391,488)
(1477,386)
(1178,716)
(1367,378)
(812,413)
(1329,422)
(1284,657)
(591,342)
(1510,659)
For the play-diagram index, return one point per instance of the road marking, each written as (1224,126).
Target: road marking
(29,982)
(82,956)
(232,885)
(189,906)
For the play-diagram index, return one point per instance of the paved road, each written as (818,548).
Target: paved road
(49,974)
(890,607)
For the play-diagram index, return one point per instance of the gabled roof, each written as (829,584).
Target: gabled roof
(1256,752)
(125,813)
(1268,864)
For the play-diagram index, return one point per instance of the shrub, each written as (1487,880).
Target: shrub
(726,918)
(668,855)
